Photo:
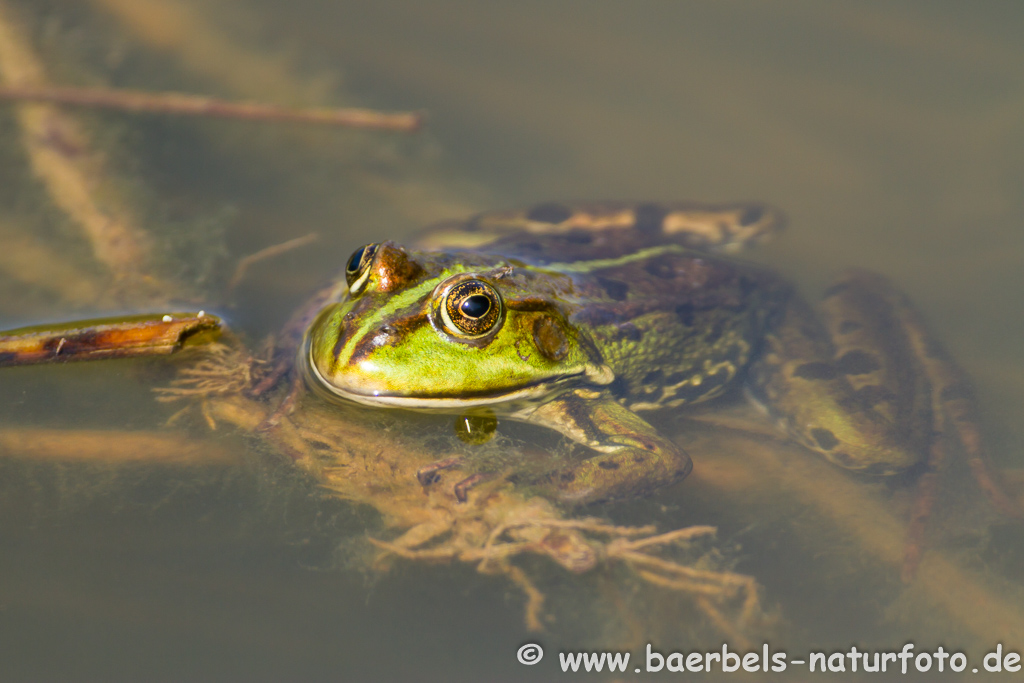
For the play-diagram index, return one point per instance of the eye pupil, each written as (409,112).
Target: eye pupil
(475,306)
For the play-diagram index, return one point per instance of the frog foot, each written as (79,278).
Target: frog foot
(431,474)
(630,457)
(462,488)
(284,408)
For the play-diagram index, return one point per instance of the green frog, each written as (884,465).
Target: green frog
(580,318)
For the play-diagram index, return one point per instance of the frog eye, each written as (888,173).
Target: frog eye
(471,308)
(358,268)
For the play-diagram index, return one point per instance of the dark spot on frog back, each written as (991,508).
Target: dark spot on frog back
(549,213)
(815,370)
(857,362)
(579,237)
(615,289)
(825,438)
(630,332)
(686,312)
(599,315)
(751,214)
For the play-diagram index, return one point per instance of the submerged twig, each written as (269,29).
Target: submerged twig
(194,37)
(194,105)
(269,252)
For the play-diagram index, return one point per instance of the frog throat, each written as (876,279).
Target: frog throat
(538,391)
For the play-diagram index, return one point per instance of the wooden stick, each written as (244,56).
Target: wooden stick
(144,335)
(194,105)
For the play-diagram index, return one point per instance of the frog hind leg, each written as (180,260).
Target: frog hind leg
(870,360)
(632,458)
(953,403)
(845,383)
(953,407)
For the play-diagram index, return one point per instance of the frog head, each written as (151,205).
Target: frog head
(448,330)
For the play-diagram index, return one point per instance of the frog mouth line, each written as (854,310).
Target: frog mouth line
(539,390)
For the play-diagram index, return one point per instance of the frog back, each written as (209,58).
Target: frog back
(674,318)
(581,231)
(677,326)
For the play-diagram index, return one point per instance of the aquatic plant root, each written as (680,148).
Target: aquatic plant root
(495,525)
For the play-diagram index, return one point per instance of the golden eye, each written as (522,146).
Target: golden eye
(471,308)
(358,266)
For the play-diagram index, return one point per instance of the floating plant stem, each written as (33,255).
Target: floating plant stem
(143,335)
(137,101)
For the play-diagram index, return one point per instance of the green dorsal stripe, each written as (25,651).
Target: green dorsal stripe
(598,264)
(395,303)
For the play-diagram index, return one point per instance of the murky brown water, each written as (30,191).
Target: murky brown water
(893,136)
